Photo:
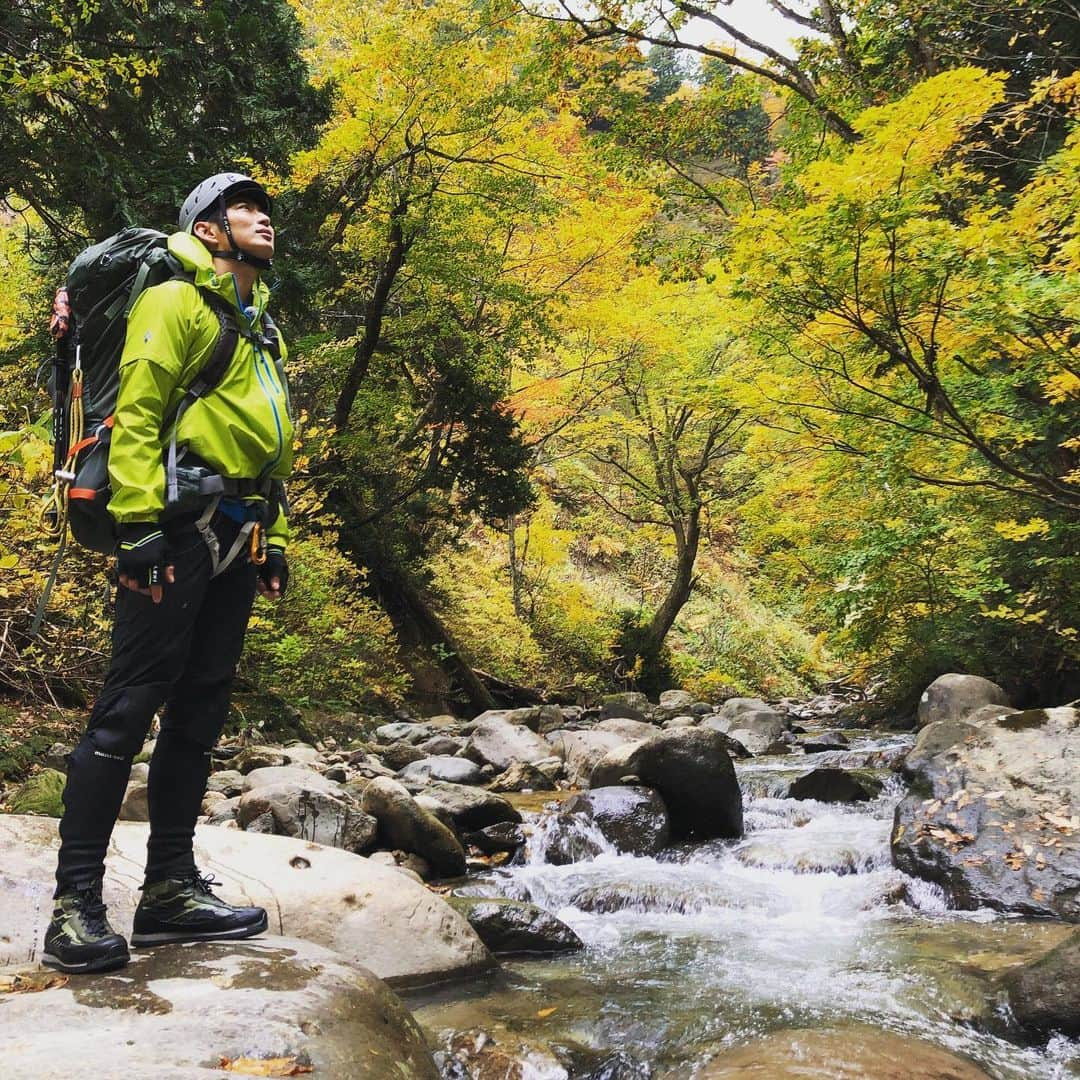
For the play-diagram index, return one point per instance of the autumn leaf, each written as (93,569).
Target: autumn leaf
(543,1013)
(282,1066)
(31,982)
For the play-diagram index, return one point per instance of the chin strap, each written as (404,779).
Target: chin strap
(234,253)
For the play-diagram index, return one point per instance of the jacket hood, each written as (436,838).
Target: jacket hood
(195,257)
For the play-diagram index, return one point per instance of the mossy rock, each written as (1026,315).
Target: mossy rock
(267,718)
(40,795)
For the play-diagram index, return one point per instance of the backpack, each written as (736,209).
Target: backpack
(89,326)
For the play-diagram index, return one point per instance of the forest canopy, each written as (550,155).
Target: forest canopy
(619,360)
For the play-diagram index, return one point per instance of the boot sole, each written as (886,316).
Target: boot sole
(179,937)
(87,967)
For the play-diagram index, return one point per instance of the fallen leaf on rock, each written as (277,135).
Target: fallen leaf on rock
(1014,859)
(32,982)
(542,1013)
(285,1066)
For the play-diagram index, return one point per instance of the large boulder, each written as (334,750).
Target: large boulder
(308,779)
(627,730)
(405,825)
(1044,995)
(935,739)
(272,1006)
(634,819)
(514,926)
(738,710)
(403,731)
(257,757)
(674,702)
(40,794)
(692,770)
(537,718)
(466,809)
(370,914)
(320,816)
(522,776)
(453,769)
(858,1052)
(995,819)
(582,750)
(499,743)
(955,697)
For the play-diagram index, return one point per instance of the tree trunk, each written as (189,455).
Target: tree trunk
(682,586)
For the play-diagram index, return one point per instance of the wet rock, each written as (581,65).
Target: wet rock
(522,776)
(468,808)
(633,819)
(399,754)
(850,1053)
(257,757)
(1044,996)
(475,1055)
(453,769)
(363,911)
(513,926)
(955,697)
(581,751)
(230,782)
(40,795)
(995,820)
(495,838)
(672,898)
(499,743)
(692,771)
(825,741)
(406,825)
(403,732)
(307,814)
(759,743)
(184,1011)
(774,856)
(834,786)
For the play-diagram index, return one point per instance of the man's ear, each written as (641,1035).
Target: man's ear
(209,232)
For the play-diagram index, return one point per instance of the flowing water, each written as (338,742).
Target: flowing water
(802,923)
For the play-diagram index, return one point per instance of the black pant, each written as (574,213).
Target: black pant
(181,653)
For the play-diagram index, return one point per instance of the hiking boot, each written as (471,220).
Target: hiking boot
(79,939)
(184,909)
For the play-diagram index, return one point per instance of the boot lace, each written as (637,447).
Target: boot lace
(92,909)
(203,883)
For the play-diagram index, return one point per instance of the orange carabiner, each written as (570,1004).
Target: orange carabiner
(257,548)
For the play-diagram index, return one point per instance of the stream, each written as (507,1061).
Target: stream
(802,923)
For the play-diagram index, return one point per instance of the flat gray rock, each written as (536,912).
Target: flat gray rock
(187,1011)
(367,913)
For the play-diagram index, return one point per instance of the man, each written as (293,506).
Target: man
(187,575)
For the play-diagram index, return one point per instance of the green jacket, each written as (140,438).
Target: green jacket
(242,427)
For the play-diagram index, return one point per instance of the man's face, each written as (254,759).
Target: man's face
(251,227)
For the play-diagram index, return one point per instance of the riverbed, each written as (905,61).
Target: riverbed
(804,923)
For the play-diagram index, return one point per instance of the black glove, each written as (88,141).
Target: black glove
(143,554)
(276,566)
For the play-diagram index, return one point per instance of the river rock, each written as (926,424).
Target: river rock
(934,739)
(673,702)
(582,750)
(40,794)
(308,779)
(257,757)
(537,718)
(514,926)
(367,913)
(230,782)
(521,776)
(318,816)
(495,838)
(136,804)
(406,825)
(1044,995)
(738,709)
(859,1052)
(834,786)
(224,812)
(499,743)
(681,721)
(453,769)
(442,745)
(631,705)
(692,771)
(995,819)
(398,755)
(627,730)
(403,731)
(301,754)
(634,819)
(955,697)
(759,743)
(468,808)
(824,741)
(190,1011)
